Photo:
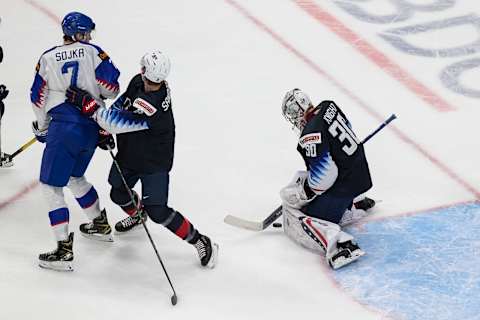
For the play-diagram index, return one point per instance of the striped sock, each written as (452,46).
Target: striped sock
(59,219)
(90,204)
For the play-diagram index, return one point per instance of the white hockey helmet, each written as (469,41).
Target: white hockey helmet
(294,105)
(155,66)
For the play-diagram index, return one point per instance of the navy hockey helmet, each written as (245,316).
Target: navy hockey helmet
(76,22)
(294,107)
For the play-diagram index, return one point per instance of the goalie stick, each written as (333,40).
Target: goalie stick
(262,225)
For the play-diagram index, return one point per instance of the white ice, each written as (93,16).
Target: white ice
(232,62)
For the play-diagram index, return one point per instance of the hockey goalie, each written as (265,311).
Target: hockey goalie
(320,200)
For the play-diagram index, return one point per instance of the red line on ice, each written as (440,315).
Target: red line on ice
(18,195)
(44,10)
(33,184)
(374,55)
(371,111)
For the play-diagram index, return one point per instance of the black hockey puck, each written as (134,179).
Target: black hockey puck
(277,225)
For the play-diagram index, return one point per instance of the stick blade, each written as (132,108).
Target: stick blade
(242,223)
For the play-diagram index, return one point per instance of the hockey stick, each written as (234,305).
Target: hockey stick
(262,225)
(23,147)
(173,299)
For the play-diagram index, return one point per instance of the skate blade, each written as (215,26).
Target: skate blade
(213,259)
(98,237)
(342,261)
(56,265)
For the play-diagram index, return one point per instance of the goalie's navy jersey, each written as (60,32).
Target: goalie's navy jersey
(334,156)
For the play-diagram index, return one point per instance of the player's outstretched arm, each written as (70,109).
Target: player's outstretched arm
(112,120)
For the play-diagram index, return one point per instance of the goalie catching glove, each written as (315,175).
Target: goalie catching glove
(297,193)
(82,100)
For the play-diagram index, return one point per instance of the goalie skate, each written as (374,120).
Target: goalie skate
(359,210)
(60,259)
(347,253)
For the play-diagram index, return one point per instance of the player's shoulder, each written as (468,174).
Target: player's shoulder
(328,109)
(46,52)
(136,81)
(96,49)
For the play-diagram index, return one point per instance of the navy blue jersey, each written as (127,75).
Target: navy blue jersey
(333,154)
(2,109)
(151,150)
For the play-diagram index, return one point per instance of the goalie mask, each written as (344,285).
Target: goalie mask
(294,107)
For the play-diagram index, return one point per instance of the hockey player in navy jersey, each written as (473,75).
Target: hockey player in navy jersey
(321,199)
(70,138)
(143,122)
(5,160)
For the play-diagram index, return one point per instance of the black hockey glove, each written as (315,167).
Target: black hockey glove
(105,140)
(82,100)
(3,92)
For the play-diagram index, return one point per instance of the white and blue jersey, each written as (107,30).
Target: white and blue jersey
(334,157)
(72,138)
(79,64)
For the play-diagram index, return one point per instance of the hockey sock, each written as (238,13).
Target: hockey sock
(86,196)
(183,228)
(90,204)
(129,207)
(174,221)
(59,221)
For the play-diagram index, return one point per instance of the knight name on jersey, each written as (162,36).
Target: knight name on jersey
(144,106)
(330,113)
(76,53)
(311,138)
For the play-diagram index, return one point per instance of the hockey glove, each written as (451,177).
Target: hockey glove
(294,194)
(40,134)
(105,140)
(3,92)
(82,100)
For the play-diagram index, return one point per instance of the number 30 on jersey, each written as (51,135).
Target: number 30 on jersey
(340,130)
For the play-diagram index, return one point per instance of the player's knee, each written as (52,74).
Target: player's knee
(78,185)
(119,196)
(160,214)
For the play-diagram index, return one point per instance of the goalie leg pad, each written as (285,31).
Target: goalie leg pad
(315,234)
(321,237)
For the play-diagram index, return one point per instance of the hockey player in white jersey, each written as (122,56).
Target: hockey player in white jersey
(70,138)
(321,199)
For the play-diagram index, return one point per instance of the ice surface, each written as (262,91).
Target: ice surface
(232,62)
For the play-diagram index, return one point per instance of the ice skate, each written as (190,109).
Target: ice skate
(5,160)
(130,223)
(60,259)
(207,251)
(98,229)
(347,253)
